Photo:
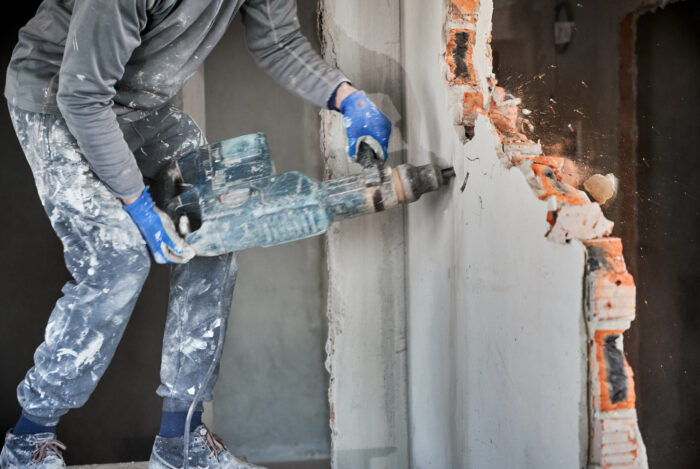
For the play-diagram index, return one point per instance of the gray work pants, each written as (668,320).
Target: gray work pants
(109,261)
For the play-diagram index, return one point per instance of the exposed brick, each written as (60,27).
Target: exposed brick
(498,95)
(615,378)
(610,287)
(626,426)
(551,186)
(505,118)
(464,10)
(579,222)
(554,162)
(458,55)
(617,448)
(473,106)
(615,437)
(619,458)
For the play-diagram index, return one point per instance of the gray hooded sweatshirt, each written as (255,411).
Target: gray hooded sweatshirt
(102,63)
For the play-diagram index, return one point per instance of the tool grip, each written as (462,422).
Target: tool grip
(371,163)
(166,187)
(367,157)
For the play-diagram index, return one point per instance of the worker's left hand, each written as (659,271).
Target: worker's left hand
(365,122)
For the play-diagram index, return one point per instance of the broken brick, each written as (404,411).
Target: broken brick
(458,55)
(505,118)
(550,185)
(601,188)
(473,106)
(580,222)
(464,10)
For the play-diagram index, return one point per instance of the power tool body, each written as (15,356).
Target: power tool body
(227,197)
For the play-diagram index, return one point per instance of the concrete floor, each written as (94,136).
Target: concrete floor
(319,464)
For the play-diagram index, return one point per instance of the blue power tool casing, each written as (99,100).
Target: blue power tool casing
(227,197)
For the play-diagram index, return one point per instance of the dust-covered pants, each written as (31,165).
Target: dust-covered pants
(109,262)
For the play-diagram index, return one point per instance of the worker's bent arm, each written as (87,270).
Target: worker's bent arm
(101,37)
(275,40)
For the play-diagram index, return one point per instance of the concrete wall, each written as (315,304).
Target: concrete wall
(494,326)
(496,340)
(366,299)
(270,402)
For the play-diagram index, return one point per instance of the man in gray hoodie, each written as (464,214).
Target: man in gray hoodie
(89,89)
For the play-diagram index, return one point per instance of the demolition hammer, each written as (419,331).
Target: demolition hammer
(226,197)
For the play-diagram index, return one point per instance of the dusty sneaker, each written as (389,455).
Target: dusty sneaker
(36,451)
(206,451)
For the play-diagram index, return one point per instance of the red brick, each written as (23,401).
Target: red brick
(611,289)
(464,10)
(458,56)
(615,377)
(551,186)
(473,105)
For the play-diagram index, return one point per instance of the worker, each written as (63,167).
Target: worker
(89,89)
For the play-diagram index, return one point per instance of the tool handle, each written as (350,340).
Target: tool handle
(367,157)
(166,187)
(371,162)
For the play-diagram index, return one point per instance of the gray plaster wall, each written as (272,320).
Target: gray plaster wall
(366,256)
(487,310)
(496,340)
(270,401)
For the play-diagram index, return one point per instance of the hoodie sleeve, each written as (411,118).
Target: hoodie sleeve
(101,38)
(274,39)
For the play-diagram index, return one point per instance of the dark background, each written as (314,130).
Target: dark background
(667,328)
(121,418)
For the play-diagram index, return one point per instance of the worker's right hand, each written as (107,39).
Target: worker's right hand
(159,231)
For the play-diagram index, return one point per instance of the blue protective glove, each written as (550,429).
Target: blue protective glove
(159,231)
(364,121)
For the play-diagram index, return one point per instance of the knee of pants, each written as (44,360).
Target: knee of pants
(123,271)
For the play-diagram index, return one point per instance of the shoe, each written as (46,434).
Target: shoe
(36,451)
(206,451)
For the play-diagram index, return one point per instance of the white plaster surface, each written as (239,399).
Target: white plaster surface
(366,302)
(496,340)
